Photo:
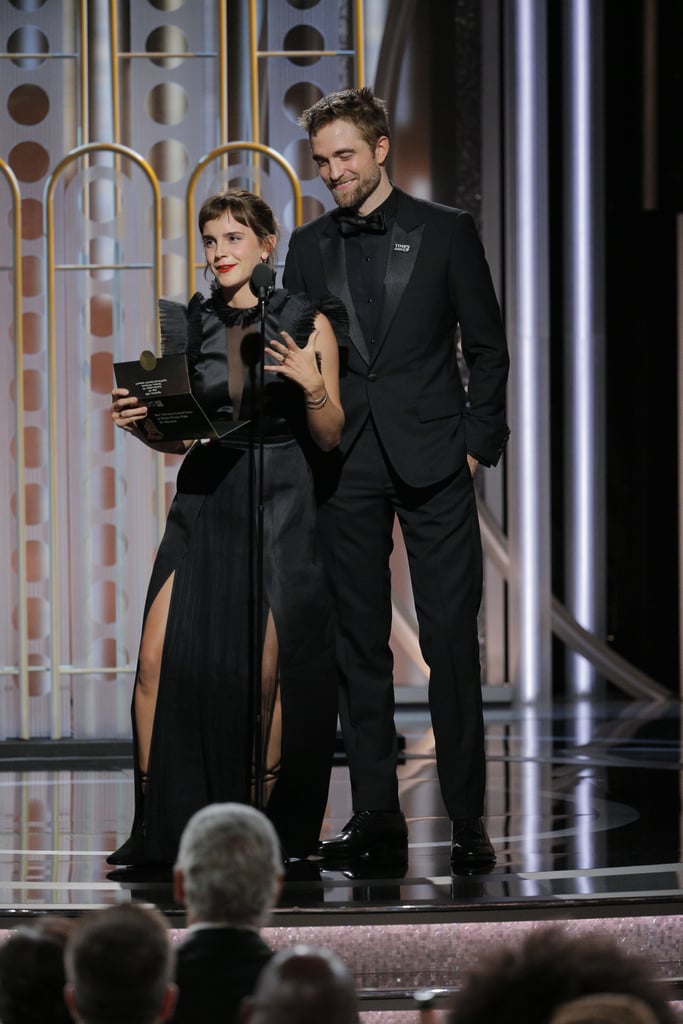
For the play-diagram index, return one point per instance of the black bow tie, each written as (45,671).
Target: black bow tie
(353,224)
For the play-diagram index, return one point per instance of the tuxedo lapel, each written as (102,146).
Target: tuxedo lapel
(334,264)
(404,248)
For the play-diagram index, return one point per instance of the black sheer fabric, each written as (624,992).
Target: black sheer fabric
(201,748)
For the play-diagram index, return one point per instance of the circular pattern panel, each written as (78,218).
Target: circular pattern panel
(299,155)
(29,161)
(31,219)
(167,103)
(104,486)
(169,160)
(31,276)
(28,104)
(101,373)
(300,97)
(167,5)
(304,37)
(166,39)
(28,5)
(101,315)
(28,39)
(35,447)
(311,208)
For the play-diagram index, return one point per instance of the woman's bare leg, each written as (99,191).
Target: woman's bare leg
(271,704)
(147,681)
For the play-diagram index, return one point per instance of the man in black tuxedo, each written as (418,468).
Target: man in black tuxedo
(228,874)
(410,273)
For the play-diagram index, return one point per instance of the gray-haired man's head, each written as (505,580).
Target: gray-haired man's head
(229,867)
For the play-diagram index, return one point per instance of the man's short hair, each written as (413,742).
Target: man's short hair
(550,969)
(364,110)
(32,973)
(231,865)
(303,985)
(120,962)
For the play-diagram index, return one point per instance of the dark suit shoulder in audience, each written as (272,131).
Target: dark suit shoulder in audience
(215,969)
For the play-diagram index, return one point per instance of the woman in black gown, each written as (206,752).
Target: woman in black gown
(192,713)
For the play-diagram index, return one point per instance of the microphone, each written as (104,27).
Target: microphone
(261,281)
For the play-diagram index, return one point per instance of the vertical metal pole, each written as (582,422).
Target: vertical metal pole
(223,90)
(253,72)
(242,69)
(84,104)
(679,234)
(528,331)
(359,44)
(101,62)
(584,333)
(679,278)
(19,456)
(492,158)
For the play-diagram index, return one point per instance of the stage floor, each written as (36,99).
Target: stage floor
(584,810)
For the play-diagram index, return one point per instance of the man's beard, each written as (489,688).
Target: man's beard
(354,199)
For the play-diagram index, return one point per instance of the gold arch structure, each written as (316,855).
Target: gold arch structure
(19,454)
(233,147)
(77,154)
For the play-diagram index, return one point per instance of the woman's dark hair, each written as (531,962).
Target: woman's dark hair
(246,208)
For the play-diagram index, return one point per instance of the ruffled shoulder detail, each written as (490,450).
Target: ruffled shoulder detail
(335,311)
(195,326)
(179,324)
(299,313)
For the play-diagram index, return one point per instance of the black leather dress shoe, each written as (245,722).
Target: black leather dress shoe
(471,847)
(368,869)
(368,833)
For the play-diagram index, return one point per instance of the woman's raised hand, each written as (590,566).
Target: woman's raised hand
(297,364)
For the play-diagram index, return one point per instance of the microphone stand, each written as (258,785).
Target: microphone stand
(261,284)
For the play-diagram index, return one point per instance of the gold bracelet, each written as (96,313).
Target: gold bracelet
(317,403)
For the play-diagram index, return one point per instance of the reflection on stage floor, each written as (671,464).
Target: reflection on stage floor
(584,809)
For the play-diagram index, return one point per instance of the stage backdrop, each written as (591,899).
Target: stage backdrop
(120,118)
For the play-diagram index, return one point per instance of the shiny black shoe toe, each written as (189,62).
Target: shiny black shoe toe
(368,833)
(371,868)
(140,874)
(131,852)
(471,848)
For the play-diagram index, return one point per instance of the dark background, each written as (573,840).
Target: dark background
(640,295)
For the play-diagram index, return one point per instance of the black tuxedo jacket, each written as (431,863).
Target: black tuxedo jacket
(437,277)
(215,969)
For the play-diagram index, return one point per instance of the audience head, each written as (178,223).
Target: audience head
(552,977)
(302,985)
(119,967)
(229,867)
(32,973)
